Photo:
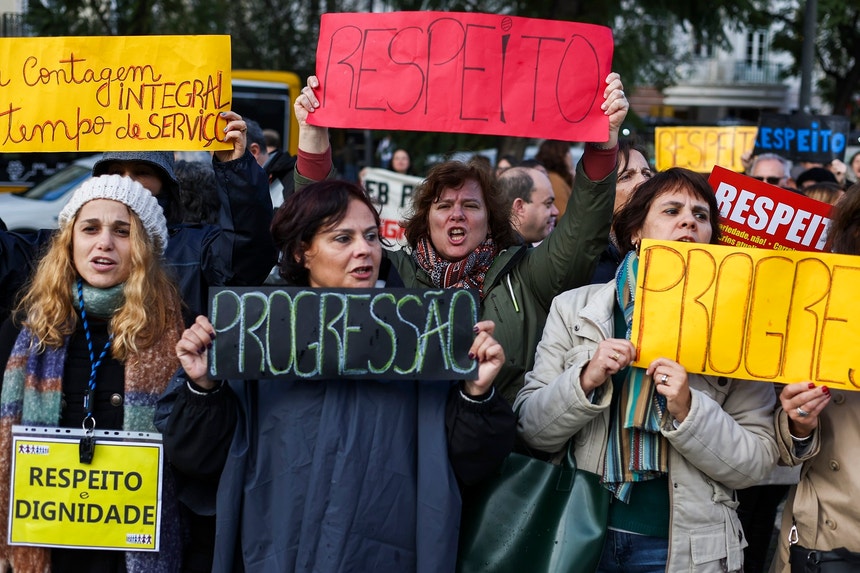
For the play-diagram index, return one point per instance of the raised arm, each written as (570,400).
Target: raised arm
(313,162)
(567,257)
(312,138)
(243,253)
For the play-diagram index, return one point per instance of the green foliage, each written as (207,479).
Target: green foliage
(837,52)
(65,18)
(278,34)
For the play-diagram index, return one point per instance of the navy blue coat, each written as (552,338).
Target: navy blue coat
(341,476)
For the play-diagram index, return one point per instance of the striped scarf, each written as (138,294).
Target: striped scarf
(636,451)
(32,395)
(468,272)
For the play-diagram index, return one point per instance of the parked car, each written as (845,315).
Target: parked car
(38,207)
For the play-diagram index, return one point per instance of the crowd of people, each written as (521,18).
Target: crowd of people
(106,323)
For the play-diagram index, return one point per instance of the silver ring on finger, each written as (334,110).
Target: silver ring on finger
(664,379)
(801,412)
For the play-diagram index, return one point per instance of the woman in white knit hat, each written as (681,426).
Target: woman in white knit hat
(92,344)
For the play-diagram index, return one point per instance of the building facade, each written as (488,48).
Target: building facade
(12,18)
(725,86)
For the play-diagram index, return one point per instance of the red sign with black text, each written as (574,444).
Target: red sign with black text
(463,73)
(757,214)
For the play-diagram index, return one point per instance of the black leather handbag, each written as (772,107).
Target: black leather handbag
(534,516)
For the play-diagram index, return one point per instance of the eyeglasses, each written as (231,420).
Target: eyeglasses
(771,180)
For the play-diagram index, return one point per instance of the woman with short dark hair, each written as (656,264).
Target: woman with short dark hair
(671,445)
(336,475)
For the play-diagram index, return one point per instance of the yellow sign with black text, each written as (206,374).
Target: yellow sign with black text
(112,503)
(775,316)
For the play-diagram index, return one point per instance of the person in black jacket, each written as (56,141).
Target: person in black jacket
(18,255)
(333,475)
(238,251)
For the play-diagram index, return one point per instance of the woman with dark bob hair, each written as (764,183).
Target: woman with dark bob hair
(460,234)
(328,207)
(670,445)
(631,219)
(334,475)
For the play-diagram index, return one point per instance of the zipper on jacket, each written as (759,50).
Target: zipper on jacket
(511,290)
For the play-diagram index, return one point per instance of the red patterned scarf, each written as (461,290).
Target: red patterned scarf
(468,272)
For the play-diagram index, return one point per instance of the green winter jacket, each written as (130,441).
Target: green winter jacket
(522,281)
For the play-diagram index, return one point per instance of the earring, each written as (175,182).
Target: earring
(636,245)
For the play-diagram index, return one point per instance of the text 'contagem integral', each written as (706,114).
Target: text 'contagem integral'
(99,93)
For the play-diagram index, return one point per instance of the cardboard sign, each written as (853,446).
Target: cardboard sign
(112,503)
(411,334)
(756,214)
(464,73)
(802,137)
(701,148)
(775,316)
(90,93)
(393,193)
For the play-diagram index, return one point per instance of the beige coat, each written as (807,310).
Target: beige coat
(726,441)
(826,502)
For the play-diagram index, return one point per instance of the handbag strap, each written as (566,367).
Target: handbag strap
(568,469)
(792,533)
(847,556)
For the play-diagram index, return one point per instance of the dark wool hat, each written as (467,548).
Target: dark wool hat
(816,174)
(162,160)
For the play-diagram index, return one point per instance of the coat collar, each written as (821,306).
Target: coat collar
(601,308)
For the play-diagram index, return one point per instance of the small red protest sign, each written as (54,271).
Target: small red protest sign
(463,72)
(757,214)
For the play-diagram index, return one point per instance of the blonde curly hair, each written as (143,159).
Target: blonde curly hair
(149,309)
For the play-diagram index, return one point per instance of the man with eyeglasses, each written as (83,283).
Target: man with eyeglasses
(773,169)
